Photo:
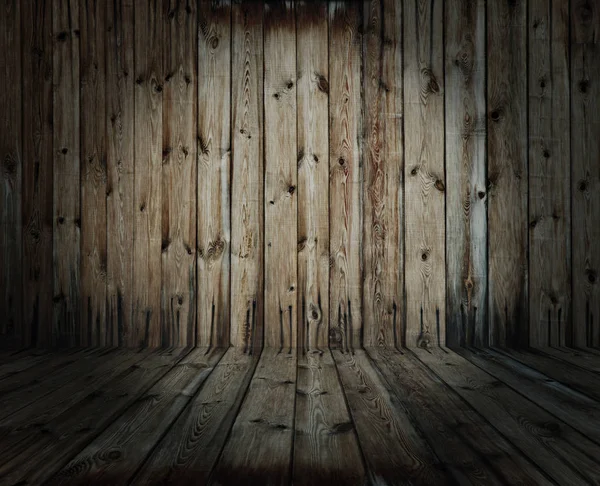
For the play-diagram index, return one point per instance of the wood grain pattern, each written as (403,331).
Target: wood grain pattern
(466,212)
(281,250)
(507,172)
(149,85)
(66,323)
(11,173)
(247,184)
(94,93)
(179,152)
(425,270)
(549,175)
(120,170)
(313,174)
(214,173)
(191,448)
(585,170)
(382,305)
(345,175)
(36,31)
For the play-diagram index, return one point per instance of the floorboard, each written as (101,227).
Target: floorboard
(588,359)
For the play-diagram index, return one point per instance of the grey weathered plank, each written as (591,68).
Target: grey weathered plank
(345,166)
(425,184)
(466,212)
(214,173)
(247,184)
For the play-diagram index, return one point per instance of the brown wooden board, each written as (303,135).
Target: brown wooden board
(345,174)
(466,212)
(214,173)
(507,172)
(36,32)
(179,162)
(148,89)
(312,71)
(425,272)
(382,306)
(585,170)
(247,184)
(549,174)
(281,154)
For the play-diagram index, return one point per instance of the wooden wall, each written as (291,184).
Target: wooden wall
(300,173)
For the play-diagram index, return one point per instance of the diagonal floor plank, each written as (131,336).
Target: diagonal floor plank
(588,359)
(470,447)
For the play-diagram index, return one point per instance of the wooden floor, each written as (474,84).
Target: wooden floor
(375,416)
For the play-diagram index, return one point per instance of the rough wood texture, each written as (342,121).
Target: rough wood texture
(66,322)
(466,212)
(179,162)
(313,174)
(345,175)
(507,172)
(281,242)
(214,173)
(247,185)
(149,85)
(120,171)
(425,271)
(36,30)
(94,92)
(585,170)
(382,306)
(549,175)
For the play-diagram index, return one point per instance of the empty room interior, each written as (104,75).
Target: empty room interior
(300,242)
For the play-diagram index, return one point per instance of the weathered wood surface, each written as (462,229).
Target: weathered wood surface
(345,166)
(247,184)
(582,359)
(93,92)
(507,172)
(120,171)
(260,444)
(179,164)
(549,175)
(466,212)
(149,86)
(585,170)
(312,96)
(11,170)
(394,450)
(281,205)
(66,321)
(190,449)
(454,430)
(36,29)
(214,173)
(425,269)
(556,448)
(382,303)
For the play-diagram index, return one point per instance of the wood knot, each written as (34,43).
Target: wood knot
(584,84)
(291,190)
(64,151)
(582,186)
(164,245)
(60,220)
(214,43)
(142,207)
(62,36)
(424,256)
(180,299)
(439,185)
(414,171)
(215,249)
(341,161)
(546,153)
(496,114)
(533,224)
(158,88)
(481,194)
(322,84)
(289,85)
(591,276)
(139,80)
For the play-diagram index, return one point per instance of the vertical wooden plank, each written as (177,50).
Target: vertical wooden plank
(383,180)
(424,173)
(585,170)
(66,231)
(507,172)
(247,189)
(280,175)
(313,173)
(214,157)
(120,168)
(345,166)
(466,216)
(149,80)
(10,170)
(93,177)
(36,28)
(549,173)
(178,292)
